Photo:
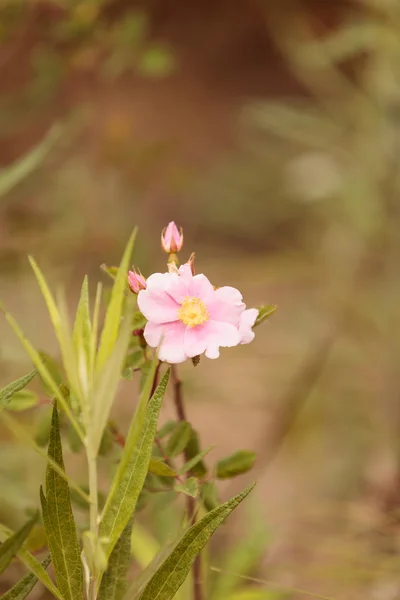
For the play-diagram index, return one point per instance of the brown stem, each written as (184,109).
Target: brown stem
(156,377)
(190,502)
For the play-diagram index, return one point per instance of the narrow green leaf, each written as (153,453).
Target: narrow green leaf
(179,439)
(264,312)
(190,487)
(114,582)
(209,495)
(114,311)
(131,472)
(82,337)
(191,464)
(82,327)
(59,521)
(139,583)
(34,566)
(236,464)
(158,467)
(172,573)
(23,400)
(7,392)
(24,587)
(95,327)
(11,546)
(44,372)
(106,385)
(21,433)
(60,325)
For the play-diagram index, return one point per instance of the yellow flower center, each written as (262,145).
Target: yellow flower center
(193,312)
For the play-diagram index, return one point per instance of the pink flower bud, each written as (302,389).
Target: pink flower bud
(171,238)
(136,281)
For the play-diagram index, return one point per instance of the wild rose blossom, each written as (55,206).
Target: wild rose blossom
(172,238)
(190,317)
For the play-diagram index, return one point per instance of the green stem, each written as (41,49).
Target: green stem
(94,511)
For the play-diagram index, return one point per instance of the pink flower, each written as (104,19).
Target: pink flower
(189,317)
(172,238)
(136,281)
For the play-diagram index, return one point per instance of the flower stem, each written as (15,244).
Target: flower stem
(94,509)
(190,502)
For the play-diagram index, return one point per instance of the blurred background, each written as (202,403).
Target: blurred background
(270,132)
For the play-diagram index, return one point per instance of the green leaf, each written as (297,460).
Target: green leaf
(196,465)
(190,487)
(44,372)
(106,386)
(82,335)
(209,495)
(139,583)
(43,427)
(179,439)
(236,464)
(7,392)
(264,312)
(55,371)
(138,320)
(11,546)
(131,472)
(166,429)
(114,311)
(158,467)
(34,566)
(133,361)
(59,319)
(59,521)
(23,400)
(111,271)
(24,587)
(114,583)
(172,573)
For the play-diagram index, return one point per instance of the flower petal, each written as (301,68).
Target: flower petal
(200,287)
(226,305)
(171,336)
(155,303)
(209,337)
(172,345)
(247,320)
(177,287)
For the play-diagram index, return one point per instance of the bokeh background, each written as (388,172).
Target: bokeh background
(270,132)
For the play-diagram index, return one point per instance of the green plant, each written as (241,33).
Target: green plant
(91,557)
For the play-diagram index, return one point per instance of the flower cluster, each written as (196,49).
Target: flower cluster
(187,315)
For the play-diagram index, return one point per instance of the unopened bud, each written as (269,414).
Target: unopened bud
(136,281)
(171,238)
